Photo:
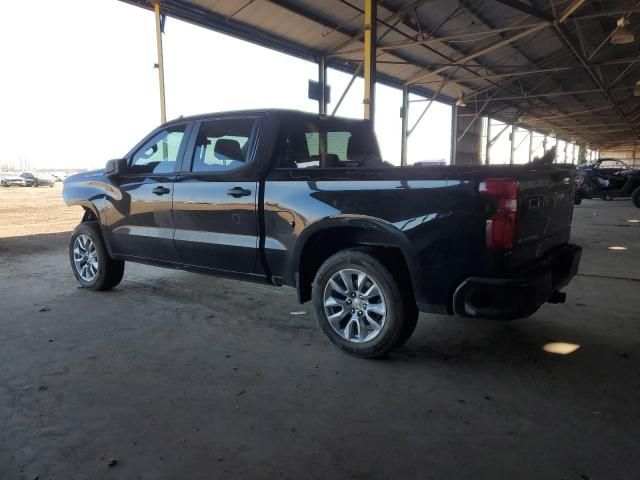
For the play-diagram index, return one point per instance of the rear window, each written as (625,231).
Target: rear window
(326,144)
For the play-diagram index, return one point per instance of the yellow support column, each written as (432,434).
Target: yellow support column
(163,111)
(369,61)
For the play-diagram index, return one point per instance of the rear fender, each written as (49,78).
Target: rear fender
(338,233)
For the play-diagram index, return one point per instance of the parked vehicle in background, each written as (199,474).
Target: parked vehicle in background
(58,177)
(37,179)
(12,180)
(607,178)
(290,198)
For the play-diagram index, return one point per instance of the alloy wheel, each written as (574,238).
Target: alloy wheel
(354,305)
(85,258)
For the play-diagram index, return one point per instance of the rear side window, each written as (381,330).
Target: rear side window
(223,145)
(326,144)
(160,153)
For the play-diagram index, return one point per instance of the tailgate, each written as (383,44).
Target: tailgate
(545,210)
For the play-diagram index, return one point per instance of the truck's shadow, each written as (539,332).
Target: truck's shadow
(30,244)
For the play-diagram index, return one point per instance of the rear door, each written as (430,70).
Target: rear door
(139,216)
(215,199)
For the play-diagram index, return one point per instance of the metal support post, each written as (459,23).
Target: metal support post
(530,145)
(404,113)
(346,90)
(454,134)
(160,64)
(322,80)
(544,144)
(487,147)
(369,61)
(565,152)
(513,143)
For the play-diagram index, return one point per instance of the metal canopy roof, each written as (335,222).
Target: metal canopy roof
(544,64)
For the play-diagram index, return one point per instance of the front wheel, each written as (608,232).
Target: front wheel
(359,305)
(90,261)
(635,197)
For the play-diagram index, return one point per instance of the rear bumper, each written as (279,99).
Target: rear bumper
(521,295)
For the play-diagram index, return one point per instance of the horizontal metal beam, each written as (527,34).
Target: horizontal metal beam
(480,52)
(547,95)
(502,75)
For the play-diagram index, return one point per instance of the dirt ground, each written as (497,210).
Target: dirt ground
(182,376)
(34,211)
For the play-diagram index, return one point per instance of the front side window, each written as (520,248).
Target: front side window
(223,145)
(160,153)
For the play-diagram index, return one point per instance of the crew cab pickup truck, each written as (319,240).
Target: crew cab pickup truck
(302,200)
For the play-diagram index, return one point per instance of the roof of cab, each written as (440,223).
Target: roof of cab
(279,112)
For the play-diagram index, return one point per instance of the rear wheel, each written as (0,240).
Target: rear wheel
(635,197)
(90,261)
(359,305)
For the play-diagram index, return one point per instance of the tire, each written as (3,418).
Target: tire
(370,334)
(577,200)
(635,197)
(35,184)
(102,274)
(608,198)
(4,184)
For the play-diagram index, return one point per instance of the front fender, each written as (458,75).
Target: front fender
(88,191)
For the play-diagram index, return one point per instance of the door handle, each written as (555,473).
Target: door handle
(238,192)
(161,190)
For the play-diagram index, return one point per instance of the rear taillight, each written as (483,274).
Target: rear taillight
(501,227)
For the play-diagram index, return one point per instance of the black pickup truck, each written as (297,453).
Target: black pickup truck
(290,198)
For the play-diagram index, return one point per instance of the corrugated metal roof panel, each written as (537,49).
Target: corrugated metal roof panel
(308,28)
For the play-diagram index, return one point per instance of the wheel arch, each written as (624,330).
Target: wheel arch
(319,241)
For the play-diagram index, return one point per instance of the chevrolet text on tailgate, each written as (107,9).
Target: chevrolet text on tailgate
(296,199)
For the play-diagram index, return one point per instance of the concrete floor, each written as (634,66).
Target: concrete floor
(181,376)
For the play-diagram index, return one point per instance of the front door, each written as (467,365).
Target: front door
(140,201)
(215,198)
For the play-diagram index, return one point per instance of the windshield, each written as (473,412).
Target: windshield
(612,163)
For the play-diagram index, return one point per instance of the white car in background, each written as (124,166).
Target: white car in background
(12,180)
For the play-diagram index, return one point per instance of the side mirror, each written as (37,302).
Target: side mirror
(116,167)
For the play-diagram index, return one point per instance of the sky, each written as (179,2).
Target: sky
(78,85)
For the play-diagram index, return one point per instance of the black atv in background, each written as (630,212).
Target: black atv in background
(607,178)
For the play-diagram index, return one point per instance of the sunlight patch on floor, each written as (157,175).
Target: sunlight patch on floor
(560,348)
